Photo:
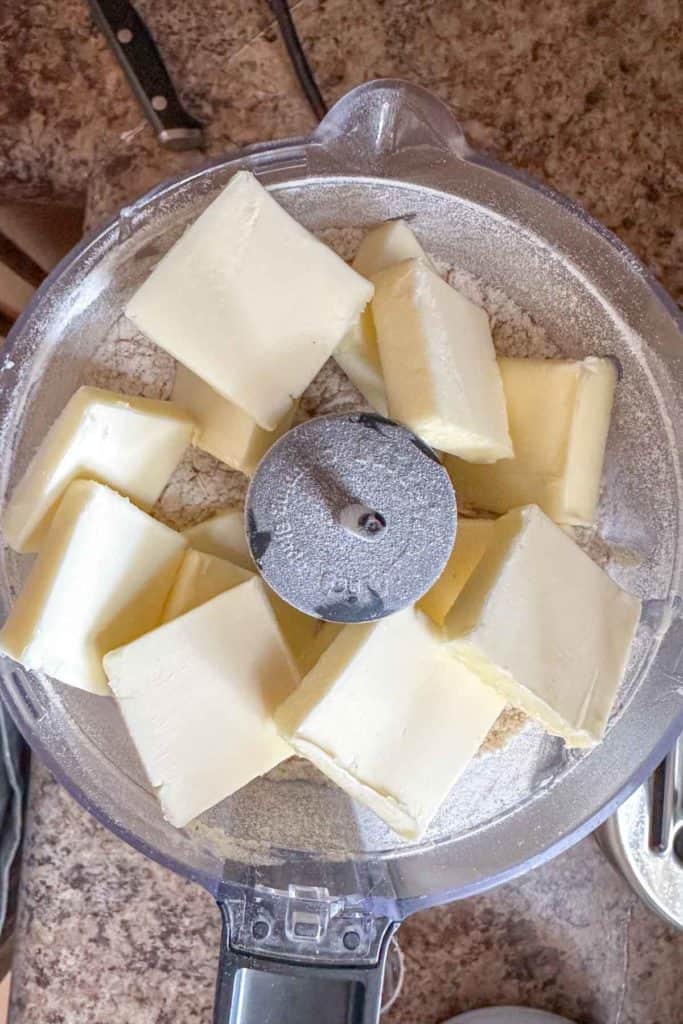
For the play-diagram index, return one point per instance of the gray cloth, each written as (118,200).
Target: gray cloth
(13,762)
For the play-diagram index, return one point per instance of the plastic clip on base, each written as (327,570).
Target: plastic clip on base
(262,990)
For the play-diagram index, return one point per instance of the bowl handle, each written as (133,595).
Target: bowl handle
(384,128)
(252,989)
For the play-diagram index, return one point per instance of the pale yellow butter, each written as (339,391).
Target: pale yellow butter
(311,652)
(222,535)
(357,353)
(198,696)
(101,579)
(306,636)
(439,364)
(559,414)
(200,578)
(358,356)
(544,625)
(250,301)
(225,430)
(131,444)
(389,717)
(471,540)
(386,245)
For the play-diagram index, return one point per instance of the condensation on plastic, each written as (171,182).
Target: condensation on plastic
(386,150)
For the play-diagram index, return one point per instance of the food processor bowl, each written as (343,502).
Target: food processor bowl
(311,885)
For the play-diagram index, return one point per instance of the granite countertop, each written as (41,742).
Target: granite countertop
(585,96)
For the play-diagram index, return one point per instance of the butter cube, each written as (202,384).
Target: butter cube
(384,246)
(389,717)
(222,535)
(198,696)
(559,414)
(357,353)
(200,578)
(250,301)
(439,363)
(358,356)
(306,637)
(312,652)
(101,579)
(471,540)
(545,626)
(131,444)
(225,430)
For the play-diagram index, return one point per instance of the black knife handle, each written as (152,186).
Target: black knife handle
(302,68)
(137,53)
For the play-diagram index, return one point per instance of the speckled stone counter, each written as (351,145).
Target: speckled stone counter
(108,937)
(584,95)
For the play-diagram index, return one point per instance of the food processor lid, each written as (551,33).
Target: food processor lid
(386,149)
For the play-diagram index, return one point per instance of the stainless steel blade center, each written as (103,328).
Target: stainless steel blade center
(350,517)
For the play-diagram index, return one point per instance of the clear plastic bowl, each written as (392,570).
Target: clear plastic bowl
(386,150)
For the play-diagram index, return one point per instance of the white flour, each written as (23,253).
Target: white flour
(514,332)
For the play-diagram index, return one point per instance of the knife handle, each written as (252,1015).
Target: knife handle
(137,53)
(302,69)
